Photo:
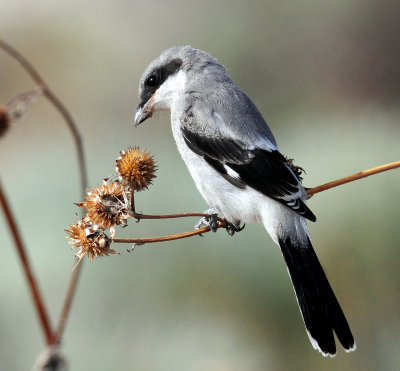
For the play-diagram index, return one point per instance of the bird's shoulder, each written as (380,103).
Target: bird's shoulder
(228,114)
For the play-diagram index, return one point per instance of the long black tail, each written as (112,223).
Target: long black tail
(318,305)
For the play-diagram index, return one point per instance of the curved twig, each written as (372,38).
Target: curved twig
(34,74)
(167,238)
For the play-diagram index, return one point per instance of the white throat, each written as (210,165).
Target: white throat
(169,91)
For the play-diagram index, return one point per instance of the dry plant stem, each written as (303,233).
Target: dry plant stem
(167,238)
(67,303)
(171,216)
(351,178)
(81,160)
(36,296)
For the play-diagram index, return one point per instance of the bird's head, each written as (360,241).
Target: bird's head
(165,79)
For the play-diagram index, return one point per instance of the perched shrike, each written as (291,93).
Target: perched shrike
(237,167)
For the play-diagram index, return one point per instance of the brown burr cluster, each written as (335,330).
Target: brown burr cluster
(110,204)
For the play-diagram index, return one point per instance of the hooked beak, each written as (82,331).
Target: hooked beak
(140,116)
(144,112)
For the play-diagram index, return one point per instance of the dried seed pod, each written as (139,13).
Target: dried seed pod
(136,168)
(107,205)
(89,240)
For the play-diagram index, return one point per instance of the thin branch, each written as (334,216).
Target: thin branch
(351,178)
(34,289)
(171,216)
(81,161)
(67,302)
(23,62)
(167,238)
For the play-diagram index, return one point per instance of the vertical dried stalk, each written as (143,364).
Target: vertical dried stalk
(34,289)
(67,302)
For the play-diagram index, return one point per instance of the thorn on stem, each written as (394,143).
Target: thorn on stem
(134,246)
(138,216)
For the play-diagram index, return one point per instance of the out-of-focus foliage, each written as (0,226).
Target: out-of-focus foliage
(326,77)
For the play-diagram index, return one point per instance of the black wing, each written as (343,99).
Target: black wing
(265,171)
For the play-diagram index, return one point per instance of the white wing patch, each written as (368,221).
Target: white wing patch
(231,173)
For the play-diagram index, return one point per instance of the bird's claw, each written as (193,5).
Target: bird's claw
(233,228)
(209,221)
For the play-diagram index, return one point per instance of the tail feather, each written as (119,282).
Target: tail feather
(319,307)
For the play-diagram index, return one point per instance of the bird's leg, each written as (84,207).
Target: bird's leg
(232,228)
(209,221)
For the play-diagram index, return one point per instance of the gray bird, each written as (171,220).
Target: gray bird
(238,169)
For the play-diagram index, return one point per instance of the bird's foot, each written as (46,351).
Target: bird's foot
(232,228)
(209,221)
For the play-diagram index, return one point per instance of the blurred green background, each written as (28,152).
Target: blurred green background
(325,75)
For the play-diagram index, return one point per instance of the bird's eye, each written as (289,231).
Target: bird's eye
(151,81)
